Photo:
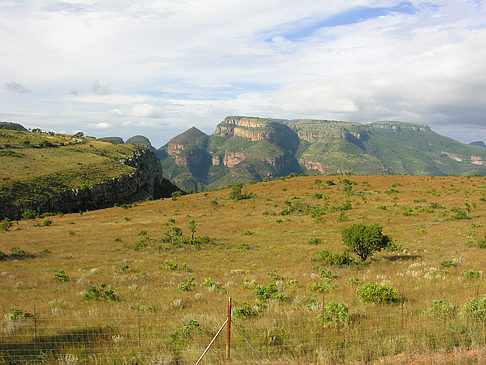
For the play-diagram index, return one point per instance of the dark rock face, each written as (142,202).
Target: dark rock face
(146,181)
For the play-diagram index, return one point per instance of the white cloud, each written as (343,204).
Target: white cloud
(196,61)
(102,125)
(145,111)
(101,88)
(116,112)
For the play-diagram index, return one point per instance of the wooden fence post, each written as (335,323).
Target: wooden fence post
(228,331)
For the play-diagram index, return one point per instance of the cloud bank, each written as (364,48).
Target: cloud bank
(169,65)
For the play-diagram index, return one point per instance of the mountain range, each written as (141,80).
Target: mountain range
(243,149)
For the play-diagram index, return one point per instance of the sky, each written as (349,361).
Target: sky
(156,68)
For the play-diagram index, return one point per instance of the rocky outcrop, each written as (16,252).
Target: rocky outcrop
(144,181)
(256,129)
(232,159)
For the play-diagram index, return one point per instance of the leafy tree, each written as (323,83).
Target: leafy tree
(364,241)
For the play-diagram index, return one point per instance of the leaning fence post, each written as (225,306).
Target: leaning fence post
(228,331)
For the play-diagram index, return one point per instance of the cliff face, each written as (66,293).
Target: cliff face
(256,129)
(145,180)
(247,148)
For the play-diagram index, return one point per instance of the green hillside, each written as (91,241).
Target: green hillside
(37,165)
(244,149)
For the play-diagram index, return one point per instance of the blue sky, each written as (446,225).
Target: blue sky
(157,68)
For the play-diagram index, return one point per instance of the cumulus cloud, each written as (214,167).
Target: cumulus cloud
(145,111)
(101,88)
(360,60)
(15,87)
(102,125)
(116,112)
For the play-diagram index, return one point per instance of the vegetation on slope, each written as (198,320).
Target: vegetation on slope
(36,165)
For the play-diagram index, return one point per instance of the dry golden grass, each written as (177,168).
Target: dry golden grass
(248,243)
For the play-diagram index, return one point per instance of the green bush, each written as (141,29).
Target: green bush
(102,293)
(188,328)
(188,285)
(17,253)
(322,287)
(236,193)
(448,263)
(314,241)
(335,314)
(481,242)
(471,274)
(244,311)
(30,214)
(441,309)
(364,241)
(19,314)
(60,276)
(270,292)
(375,293)
(475,309)
(327,258)
(5,225)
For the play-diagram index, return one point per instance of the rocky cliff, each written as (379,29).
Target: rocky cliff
(144,181)
(247,148)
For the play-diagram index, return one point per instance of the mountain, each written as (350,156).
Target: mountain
(247,148)
(12,126)
(115,140)
(478,143)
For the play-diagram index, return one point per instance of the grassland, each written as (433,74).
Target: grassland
(157,314)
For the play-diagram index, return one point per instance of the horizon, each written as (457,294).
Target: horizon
(156,69)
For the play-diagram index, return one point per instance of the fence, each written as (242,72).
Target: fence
(272,336)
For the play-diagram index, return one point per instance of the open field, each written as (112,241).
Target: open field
(157,314)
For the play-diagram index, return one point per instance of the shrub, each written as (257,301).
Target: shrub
(314,241)
(448,263)
(334,259)
(19,314)
(30,214)
(188,285)
(335,314)
(244,311)
(5,225)
(481,242)
(236,193)
(441,309)
(471,274)
(375,293)
(102,293)
(271,291)
(321,286)
(187,330)
(172,265)
(17,253)
(210,284)
(365,240)
(60,276)
(475,309)
(459,213)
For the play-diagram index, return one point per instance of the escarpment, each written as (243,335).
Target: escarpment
(145,180)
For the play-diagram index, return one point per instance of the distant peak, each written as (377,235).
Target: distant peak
(191,136)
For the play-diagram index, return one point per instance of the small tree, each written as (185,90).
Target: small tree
(192,228)
(364,241)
